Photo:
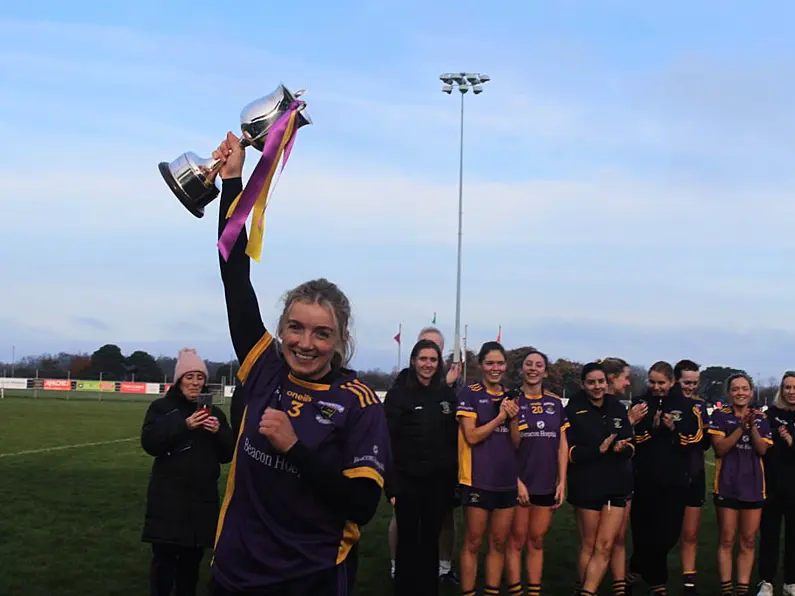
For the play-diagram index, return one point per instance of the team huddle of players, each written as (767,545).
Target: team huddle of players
(637,467)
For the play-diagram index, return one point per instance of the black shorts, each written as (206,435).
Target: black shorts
(488,499)
(736,504)
(543,500)
(599,504)
(696,494)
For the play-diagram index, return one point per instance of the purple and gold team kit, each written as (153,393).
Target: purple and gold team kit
(272,528)
(542,421)
(739,475)
(488,471)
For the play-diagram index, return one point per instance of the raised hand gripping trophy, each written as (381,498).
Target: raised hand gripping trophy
(269,125)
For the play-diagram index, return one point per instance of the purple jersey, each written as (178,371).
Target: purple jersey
(542,420)
(739,474)
(491,464)
(273,527)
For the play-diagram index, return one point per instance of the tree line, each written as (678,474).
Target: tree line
(109,363)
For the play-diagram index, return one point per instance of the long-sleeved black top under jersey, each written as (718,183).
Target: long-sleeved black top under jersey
(301,509)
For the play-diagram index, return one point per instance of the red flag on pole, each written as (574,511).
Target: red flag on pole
(397,337)
(499,334)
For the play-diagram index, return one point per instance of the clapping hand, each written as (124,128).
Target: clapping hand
(638,412)
(510,407)
(621,445)
(783,431)
(603,448)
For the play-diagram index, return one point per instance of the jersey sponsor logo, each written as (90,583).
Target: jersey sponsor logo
(302,397)
(274,461)
(540,425)
(539,434)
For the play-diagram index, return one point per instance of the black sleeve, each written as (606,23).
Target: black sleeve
(161,430)
(242,308)
(392,412)
(224,439)
(236,409)
(355,498)
(580,451)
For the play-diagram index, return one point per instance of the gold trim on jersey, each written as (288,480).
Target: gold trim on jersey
(366,396)
(230,486)
(253,355)
(464,457)
(350,536)
(364,472)
(308,384)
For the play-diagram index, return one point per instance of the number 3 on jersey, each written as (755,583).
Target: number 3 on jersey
(295,410)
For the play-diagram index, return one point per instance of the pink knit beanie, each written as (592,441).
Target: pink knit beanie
(188,361)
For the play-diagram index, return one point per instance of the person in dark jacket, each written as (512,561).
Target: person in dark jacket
(664,440)
(423,433)
(780,485)
(600,479)
(188,443)
(447,538)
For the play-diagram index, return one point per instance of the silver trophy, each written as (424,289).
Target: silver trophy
(191,178)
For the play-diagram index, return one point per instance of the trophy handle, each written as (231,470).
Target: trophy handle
(215,164)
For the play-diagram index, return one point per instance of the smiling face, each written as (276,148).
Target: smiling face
(595,385)
(191,384)
(689,382)
(740,392)
(534,370)
(309,339)
(426,364)
(494,366)
(659,384)
(620,382)
(788,392)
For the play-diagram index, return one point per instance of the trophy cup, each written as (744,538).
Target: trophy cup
(191,178)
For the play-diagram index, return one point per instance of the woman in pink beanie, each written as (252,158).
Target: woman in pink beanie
(189,445)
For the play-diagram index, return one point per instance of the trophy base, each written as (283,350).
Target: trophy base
(189,202)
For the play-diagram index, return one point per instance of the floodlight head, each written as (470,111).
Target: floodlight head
(484,78)
(459,79)
(473,79)
(463,87)
(447,89)
(446,78)
(477,89)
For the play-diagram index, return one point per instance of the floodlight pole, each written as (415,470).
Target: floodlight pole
(462,82)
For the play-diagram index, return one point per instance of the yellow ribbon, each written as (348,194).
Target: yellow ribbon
(254,246)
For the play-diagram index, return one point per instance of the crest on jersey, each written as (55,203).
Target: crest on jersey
(446,409)
(549,407)
(617,423)
(676,415)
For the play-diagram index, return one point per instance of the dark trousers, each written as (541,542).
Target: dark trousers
(329,582)
(174,570)
(656,521)
(420,510)
(778,509)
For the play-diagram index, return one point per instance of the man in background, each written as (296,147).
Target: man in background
(447,537)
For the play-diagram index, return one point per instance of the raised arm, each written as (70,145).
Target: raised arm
(242,308)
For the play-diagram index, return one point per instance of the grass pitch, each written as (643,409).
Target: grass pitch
(72,486)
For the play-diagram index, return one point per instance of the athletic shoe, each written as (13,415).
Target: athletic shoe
(451,578)
(765,589)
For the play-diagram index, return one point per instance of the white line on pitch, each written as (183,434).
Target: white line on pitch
(62,447)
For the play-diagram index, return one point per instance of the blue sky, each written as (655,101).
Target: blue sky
(628,174)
